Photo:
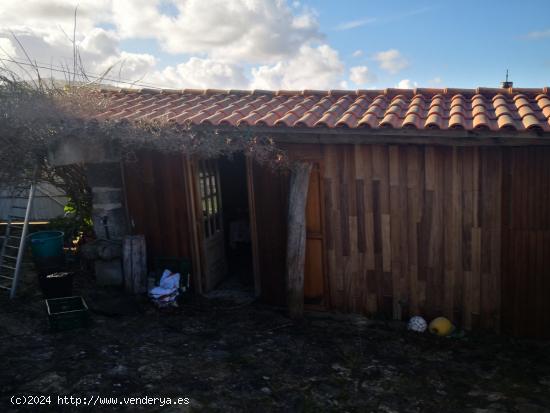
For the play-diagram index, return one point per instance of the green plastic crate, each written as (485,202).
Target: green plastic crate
(67,313)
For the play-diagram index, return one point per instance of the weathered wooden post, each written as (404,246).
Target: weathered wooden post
(296,241)
(134,264)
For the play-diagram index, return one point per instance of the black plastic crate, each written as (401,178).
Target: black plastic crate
(67,313)
(49,265)
(56,285)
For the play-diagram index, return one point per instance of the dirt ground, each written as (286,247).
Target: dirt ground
(230,357)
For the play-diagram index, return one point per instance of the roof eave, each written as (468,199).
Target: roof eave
(391,136)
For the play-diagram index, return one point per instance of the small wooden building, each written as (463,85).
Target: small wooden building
(427,201)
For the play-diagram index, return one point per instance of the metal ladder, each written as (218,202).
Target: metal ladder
(13,247)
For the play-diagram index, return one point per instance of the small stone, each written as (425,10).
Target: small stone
(493,397)
(531,408)
(338,367)
(265,377)
(497,407)
(155,371)
(265,390)
(118,370)
(48,383)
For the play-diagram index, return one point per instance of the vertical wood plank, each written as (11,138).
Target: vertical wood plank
(413,218)
(134,264)
(395,228)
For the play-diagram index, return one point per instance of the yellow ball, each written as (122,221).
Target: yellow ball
(441,326)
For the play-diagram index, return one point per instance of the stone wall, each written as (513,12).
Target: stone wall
(104,175)
(108,215)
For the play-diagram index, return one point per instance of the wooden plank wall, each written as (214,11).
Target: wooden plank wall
(462,232)
(414,230)
(526,242)
(155,192)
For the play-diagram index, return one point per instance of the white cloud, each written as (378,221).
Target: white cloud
(357,53)
(99,50)
(202,74)
(7,48)
(223,44)
(391,60)
(100,42)
(313,68)
(355,23)
(126,66)
(52,15)
(255,30)
(436,81)
(361,75)
(406,84)
(541,34)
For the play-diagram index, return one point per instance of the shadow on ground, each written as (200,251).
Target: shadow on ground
(248,357)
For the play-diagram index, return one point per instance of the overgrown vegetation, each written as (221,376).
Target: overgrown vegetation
(38,112)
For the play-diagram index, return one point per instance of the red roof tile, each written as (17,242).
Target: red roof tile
(480,109)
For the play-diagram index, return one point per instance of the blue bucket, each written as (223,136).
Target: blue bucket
(45,244)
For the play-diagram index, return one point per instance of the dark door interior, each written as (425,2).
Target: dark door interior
(236,221)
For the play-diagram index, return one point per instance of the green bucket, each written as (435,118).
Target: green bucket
(45,244)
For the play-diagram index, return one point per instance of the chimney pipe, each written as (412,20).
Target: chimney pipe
(506,84)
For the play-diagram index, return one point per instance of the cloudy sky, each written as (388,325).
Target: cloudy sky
(279,44)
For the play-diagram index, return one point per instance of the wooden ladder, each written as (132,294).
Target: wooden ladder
(13,246)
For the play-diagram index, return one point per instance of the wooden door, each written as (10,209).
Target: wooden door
(270,196)
(314,275)
(212,223)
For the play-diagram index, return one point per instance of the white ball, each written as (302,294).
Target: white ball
(417,324)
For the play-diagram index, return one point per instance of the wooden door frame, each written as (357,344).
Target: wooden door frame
(315,154)
(198,245)
(249,163)
(195,225)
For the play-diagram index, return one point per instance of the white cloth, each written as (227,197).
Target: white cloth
(168,289)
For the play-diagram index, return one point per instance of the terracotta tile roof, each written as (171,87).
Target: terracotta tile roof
(444,109)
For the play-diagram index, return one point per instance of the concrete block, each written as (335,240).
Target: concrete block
(104,175)
(75,151)
(106,196)
(110,224)
(109,272)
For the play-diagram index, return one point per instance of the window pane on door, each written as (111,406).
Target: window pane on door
(210,197)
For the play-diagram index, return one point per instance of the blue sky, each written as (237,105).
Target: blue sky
(465,43)
(288,44)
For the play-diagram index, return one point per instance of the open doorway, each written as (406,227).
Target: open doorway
(236,221)
(226,224)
